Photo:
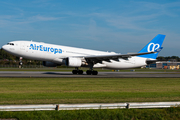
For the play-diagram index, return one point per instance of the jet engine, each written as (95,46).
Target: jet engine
(49,64)
(73,62)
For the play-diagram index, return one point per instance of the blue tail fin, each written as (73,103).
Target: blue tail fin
(153,45)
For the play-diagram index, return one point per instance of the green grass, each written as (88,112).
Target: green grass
(117,114)
(87,90)
(90,90)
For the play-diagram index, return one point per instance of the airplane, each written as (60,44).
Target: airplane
(53,55)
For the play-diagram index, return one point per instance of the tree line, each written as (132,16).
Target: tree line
(169,58)
(6,58)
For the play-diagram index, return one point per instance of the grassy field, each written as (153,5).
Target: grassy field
(90,90)
(87,90)
(118,114)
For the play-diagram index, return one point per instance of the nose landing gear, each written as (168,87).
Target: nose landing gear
(20,62)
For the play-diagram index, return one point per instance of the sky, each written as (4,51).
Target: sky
(115,26)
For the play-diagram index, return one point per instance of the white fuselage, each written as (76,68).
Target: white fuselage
(56,53)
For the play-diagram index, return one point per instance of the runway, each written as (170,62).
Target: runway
(29,74)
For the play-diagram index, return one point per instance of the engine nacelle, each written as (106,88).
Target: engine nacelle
(49,64)
(73,62)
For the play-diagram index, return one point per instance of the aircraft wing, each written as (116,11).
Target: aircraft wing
(99,58)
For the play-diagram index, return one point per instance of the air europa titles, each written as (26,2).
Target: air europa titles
(46,49)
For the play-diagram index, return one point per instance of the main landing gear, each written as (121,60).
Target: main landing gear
(77,71)
(91,72)
(88,72)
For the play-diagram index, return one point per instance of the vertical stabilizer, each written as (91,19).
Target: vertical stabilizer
(153,45)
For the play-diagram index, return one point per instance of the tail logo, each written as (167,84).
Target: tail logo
(152,47)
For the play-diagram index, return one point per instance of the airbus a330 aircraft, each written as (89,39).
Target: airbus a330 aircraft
(53,55)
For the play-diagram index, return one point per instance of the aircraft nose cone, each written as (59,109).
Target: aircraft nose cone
(4,47)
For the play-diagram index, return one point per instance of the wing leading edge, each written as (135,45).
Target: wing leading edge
(99,58)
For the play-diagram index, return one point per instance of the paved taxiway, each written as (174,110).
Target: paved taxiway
(28,74)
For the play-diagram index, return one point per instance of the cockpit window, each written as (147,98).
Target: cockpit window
(10,43)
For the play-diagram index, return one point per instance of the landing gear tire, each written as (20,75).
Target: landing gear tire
(74,71)
(94,72)
(20,63)
(89,72)
(80,72)
(77,72)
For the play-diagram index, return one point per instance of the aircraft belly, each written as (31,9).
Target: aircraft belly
(125,64)
(119,65)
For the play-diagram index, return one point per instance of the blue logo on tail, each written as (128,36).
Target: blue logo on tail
(153,46)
